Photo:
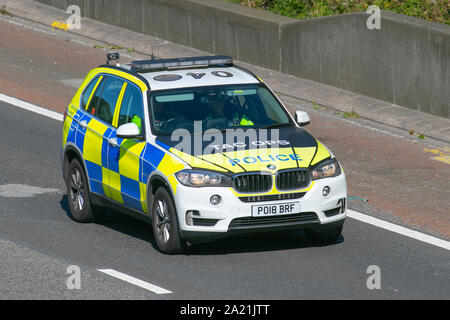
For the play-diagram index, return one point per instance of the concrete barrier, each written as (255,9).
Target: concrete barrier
(406,62)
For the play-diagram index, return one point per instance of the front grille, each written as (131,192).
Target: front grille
(252,183)
(248,222)
(293,179)
(273,197)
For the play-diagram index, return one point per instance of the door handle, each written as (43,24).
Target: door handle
(83,124)
(113,142)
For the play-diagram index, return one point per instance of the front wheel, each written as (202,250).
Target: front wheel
(165,224)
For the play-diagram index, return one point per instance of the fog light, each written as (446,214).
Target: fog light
(326,191)
(215,199)
(189,216)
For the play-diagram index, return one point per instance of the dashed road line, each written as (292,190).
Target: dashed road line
(135,281)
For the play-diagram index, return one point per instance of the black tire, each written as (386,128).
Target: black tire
(165,224)
(80,205)
(326,236)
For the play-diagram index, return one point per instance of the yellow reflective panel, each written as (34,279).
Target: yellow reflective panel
(195,161)
(92,149)
(143,192)
(168,166)
(306,154)
(322,153)
(66,129)
(260,159)
(105,182)
(130,150)
(221,160)
(114,183)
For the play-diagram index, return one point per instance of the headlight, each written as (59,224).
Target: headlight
(326,169)
(202,179)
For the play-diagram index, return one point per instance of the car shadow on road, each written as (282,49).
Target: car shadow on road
(119,222)
(236,244)
(258,243)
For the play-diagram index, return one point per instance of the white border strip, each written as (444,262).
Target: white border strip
(135,281)
(399,229)
(350,213)
(31,107)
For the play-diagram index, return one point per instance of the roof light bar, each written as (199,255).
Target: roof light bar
(164,64)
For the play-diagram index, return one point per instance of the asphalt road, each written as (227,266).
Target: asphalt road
(38,240)
(405,179)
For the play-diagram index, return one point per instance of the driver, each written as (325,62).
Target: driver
(163,115)
(219,108)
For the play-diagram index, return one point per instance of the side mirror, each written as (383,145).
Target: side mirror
(128,131)
(302,118)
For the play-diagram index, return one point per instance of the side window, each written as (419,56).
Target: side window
(272,111)
(87,93)
(92,108)
(104,101)
(132,109)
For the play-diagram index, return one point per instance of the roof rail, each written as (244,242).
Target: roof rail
(177,63)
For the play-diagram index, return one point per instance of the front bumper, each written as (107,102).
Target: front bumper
(233,216)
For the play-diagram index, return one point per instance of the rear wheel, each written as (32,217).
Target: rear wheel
(325,236)
(80,206)
(165,224)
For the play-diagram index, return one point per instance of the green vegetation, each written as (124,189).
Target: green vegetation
(4,12)
(352,114)
(431,10)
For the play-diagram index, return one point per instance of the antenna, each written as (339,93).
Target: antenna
(152,56)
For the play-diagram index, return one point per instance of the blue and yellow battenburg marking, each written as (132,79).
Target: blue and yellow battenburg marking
(120,173)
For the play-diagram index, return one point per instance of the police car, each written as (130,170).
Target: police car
(201,149)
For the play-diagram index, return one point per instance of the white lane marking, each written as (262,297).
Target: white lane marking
(23,191)
(135,281)
(350,213)
(399,229)
(31,107)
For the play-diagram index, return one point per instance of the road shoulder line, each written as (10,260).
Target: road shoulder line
(31,107)
(398,229)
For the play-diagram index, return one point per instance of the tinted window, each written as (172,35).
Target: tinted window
(105,102)
(87,93)
(217,107)
(92,108)
(132,109)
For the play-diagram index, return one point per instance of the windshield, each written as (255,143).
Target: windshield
(215,107)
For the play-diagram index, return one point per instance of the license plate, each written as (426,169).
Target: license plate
(276,209)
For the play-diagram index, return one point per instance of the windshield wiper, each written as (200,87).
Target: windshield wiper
(276,125)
